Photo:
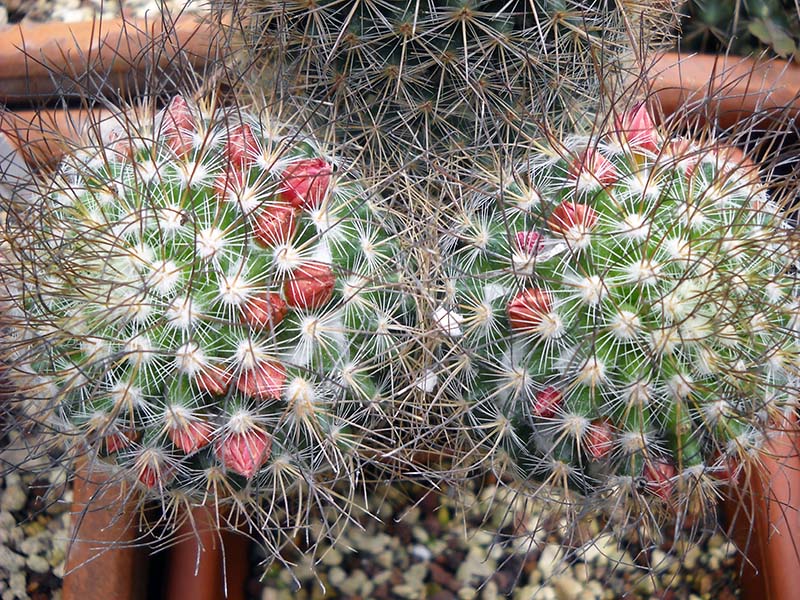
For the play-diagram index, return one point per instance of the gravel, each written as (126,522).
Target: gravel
(34,528)
(425,547)
(71,11)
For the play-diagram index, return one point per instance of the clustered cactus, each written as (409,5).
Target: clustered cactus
(209,305)
(622,316)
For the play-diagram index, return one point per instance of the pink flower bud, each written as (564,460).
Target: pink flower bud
(599,439)
(306,182)
(245,453)
(571,215)
(212,380)
(265,382)
(309,286)
(659,475)
(547,402)
(191,435)
(229,185)
(528,308)
(242,147)
(593,167)
(529,242)
(635,128)
(264,310)
(275,224)
(681,153)
(178,126)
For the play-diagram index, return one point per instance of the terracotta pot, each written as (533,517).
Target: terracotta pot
(725,89)
(42,136)
(104,559)
(108,558)
(764,521)
(39,62)
(207,564)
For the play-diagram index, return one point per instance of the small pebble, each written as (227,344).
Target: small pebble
(336,576)
(567,587)
(14,497)
(406,591)
(691,557)
(332,558)
(420,552)
(38,564)
(353,584)
(490,591)
(550,559)
(467,593)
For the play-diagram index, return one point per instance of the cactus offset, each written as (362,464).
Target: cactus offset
(623,316)
(411,81)
(209,306)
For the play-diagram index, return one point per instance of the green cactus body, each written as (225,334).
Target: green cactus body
(628,312)
(207,301)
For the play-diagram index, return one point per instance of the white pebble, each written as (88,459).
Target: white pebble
(38,564)
(420,552)
(550,558)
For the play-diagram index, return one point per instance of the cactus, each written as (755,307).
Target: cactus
(207,306)
(408,82)
(620,317)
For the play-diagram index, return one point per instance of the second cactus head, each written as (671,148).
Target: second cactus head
(622,315)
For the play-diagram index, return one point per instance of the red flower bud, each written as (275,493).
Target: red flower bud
(178,126)
(569,215)
(659,474)
(275,224)
(528,308)
(152,468)
(148,475)
(309,286)
(726,468)
(306,182)
(213,380)
(636,129)
(547,402)
(265,310)
(119,439)
(245,453)
(593,167)
(529,242)
(265,382)
(192,435)
(599,439)
(241,148)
